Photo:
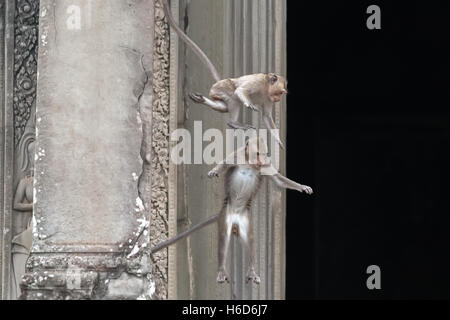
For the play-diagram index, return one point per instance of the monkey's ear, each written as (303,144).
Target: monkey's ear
(273,79)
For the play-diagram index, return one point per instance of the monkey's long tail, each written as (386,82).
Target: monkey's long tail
(184,234)
(190,43)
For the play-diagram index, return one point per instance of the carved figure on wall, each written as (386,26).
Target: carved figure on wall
(23,214)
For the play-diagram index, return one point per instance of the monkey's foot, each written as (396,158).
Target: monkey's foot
(213,173)
(281,144)
(306,189)
(237,125)
(252,276)
(252,106)
(223,277)
(197,97)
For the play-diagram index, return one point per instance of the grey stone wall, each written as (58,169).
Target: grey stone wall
(5,145)
(92,190)
(18,37)
(88,215)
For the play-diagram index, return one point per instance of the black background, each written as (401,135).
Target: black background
(369,129)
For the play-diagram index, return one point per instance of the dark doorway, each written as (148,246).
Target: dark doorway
(369,130)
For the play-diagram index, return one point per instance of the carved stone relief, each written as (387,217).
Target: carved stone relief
(26,22)
(25,63)
(160,161)
(2,146)
(22,209)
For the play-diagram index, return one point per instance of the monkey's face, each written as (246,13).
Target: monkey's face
(277,87)
(256,153)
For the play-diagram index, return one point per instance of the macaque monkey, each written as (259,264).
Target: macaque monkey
(242,181)
(258,92)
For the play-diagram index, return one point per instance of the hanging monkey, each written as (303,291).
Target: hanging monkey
(227,95)
(242,182)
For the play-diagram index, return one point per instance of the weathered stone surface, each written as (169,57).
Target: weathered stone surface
(93,153)
(125,287)
(93,68)
(159,227)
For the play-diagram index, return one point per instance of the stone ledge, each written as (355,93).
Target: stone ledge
(59,285)
(97,262)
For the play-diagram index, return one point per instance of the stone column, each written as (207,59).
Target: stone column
(6,141)
(93,153)
(240,37)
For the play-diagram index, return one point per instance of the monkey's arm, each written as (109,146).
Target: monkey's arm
(221,167)
(285,183)
(268,120)
(230,160)
(184,234)
(243,95)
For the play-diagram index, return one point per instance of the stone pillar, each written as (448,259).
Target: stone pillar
(93,153)
(240,37)
(6,141)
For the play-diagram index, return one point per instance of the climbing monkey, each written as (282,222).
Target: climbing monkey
(242,181)
(258,92)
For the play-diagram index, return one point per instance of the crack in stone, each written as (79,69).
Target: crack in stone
(54,25)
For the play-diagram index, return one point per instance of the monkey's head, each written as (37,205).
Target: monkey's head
(256,152)
(277,87)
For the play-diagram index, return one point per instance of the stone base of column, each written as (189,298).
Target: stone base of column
(80,276)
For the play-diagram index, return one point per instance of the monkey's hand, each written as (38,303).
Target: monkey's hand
(305,189)
(213,173)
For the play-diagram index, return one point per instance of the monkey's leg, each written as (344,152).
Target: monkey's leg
(246,237)
(216,105)
(224,242)
(234,107)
